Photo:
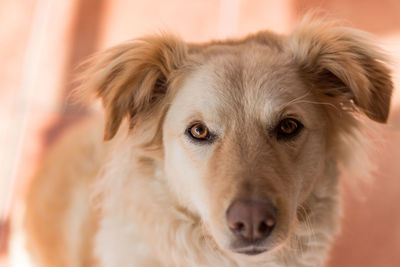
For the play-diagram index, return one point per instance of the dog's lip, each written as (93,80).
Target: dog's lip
(251,251)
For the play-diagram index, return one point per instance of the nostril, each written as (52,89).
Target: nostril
(265,226)
(238,227)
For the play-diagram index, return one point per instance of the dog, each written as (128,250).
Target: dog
(217,154)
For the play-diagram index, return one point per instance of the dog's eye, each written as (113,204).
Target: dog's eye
(199,131)
(288,128)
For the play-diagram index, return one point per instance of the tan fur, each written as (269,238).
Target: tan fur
(152,197)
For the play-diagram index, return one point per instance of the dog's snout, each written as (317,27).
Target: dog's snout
(252,220)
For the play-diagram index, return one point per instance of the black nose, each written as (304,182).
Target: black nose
(253,220)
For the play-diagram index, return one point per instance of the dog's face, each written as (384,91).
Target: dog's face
(244,144)
(245,127)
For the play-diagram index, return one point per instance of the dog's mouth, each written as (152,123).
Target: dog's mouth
(252,251)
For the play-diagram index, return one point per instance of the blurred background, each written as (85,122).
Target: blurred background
(43,41)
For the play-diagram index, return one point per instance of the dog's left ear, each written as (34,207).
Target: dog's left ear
(132,79)
(344,65)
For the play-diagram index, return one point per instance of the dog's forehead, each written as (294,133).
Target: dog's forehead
(254,80)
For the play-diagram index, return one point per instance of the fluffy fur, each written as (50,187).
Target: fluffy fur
(151,196)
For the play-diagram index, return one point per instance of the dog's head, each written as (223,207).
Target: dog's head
(248,128)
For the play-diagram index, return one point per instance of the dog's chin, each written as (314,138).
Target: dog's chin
(250,254)
(248,251)
(253,252)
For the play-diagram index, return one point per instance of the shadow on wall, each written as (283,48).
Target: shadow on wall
(85,37)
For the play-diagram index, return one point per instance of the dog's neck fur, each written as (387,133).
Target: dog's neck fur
(157,227)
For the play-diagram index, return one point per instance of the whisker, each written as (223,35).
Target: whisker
(293,101)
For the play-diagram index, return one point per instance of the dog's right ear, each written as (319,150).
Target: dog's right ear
(132,78)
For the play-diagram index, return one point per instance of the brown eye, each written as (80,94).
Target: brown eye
(199,131)
(288,128)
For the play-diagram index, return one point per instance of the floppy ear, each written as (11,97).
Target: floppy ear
(345,65)
(132,78)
